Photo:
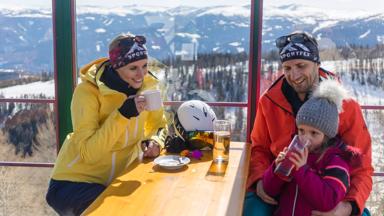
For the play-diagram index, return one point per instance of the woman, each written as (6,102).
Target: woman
(110,126)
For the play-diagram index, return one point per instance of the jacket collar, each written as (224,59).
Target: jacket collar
(93,71)
(111,79)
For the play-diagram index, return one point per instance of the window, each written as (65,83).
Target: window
(200,48)
(27,98)
(27,87)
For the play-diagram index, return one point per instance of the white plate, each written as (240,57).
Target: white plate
(171,161)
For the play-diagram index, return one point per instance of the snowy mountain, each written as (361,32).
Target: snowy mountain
(333,27)
(27,33)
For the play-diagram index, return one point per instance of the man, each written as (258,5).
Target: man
(274,126)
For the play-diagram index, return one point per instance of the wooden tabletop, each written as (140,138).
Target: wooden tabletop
(147,189)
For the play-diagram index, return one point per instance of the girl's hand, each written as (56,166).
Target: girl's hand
(140,103)
(150,148)
(299,158)
(281,156)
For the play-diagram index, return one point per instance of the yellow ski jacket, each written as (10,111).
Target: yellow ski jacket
(104,142)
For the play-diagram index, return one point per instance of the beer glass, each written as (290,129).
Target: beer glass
(221,140)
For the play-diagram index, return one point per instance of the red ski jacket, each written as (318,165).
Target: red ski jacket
(275,126)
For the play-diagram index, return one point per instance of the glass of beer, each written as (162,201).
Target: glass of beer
(221,140)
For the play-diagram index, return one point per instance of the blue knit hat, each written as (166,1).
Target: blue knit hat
(322,110)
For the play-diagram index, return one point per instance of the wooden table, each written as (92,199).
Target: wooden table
(147,189)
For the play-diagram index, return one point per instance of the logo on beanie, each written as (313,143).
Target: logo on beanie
(137,47)
(136,51)
(298,51)
(290,51)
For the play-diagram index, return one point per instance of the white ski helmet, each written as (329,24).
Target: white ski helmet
(194,115)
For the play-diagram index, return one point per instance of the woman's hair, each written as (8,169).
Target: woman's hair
(115,42)
(327,142)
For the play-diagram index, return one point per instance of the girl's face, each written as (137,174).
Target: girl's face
(133,73)
(315,137)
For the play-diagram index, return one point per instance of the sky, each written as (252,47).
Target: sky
(368,5)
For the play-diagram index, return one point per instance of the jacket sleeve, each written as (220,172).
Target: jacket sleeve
(324,192)
(261,157)
(156,127)
(272,184)
(91,136)
(354,132)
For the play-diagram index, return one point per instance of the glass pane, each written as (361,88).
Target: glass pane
(236,115)
(28,133)
(350,39)
(375,123)
(26,49)
(375,203)
(23,190)
(204,45)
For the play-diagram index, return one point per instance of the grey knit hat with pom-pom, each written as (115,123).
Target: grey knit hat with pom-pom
(322,110)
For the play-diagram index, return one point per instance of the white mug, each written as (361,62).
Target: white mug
(152,99)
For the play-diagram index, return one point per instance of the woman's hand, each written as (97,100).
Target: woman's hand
(150,148)
(299,158)
(140,103)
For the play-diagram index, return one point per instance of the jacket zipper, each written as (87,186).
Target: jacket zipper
(70,164)
(136,126)
(126,137)
(281,107)
(112,169)
(294,201)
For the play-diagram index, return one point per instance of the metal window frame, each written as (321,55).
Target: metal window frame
(64,44)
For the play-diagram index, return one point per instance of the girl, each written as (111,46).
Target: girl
(320,179)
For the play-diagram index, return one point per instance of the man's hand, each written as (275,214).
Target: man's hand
(150,148)
(264,196)
(344,208)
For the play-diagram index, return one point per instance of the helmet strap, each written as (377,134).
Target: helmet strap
(179,129)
